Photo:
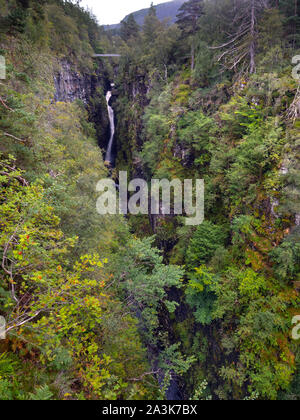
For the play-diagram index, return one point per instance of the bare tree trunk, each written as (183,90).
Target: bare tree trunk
(193,55)
(252,34)
(241,47)
(295,34)
(166,73)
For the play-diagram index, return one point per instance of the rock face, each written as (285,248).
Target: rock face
(284,170)
(71,85)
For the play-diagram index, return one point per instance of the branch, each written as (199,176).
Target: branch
(4,104)
(230,42)
(13,169)
(4,259)
(19,178)
(24,322)
(294,110)
(13,137)
(154,372)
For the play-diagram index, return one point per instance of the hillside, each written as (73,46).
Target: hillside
(150,204)
(166,10)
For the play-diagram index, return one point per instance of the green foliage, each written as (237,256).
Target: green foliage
(91,295)
(68,301)
(195,131)
(188,16)
(173,363)
(261,331)
(43,393)
(49,238)
(199,294)
(232,130)
(146,280)
(129,28)
(204,243)
(287,257)
(290,11)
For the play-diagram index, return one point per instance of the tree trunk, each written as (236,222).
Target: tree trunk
(252,34)
(193,55)
(295,24)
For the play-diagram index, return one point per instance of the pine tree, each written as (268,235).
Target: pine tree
(152,10)
(291,11)
(129,28)
(188,21)
(151,25)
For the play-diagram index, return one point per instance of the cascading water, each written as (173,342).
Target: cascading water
(108,156)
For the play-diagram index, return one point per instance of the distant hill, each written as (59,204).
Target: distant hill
(167,10)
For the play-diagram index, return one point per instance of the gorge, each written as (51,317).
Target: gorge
(146,307)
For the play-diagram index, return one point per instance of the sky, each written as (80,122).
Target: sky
(113,11)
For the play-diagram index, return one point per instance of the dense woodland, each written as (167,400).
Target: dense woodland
(107,307)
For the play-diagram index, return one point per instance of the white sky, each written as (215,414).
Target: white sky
(113,11)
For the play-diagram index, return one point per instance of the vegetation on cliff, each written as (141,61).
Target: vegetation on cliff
(217,101)
(107,308)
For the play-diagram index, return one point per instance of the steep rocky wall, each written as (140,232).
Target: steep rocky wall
(89,87)
(70,84)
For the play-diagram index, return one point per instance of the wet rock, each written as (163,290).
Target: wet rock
(71,85)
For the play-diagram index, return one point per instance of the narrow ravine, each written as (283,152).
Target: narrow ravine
(173,391)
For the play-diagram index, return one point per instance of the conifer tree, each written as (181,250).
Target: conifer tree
(188,21)
(151,25)
(291,10)
(129,28)
(152,10)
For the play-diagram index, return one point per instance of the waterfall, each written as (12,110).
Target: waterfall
(108,157)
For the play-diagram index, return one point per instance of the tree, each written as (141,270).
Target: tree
(188,21)
(243,39)
(195,132)
(63,309)
(204,243)
(152,10)
(151,25)
(145,281)
(163,49)
(291,12)
(16,19)
(129,28)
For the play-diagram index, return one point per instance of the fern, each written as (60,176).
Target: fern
(7,365)
(43,393)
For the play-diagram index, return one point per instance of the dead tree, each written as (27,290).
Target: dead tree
(293,112)
(240,49)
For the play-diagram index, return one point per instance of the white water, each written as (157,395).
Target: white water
(108,157)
